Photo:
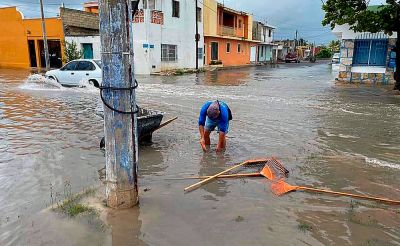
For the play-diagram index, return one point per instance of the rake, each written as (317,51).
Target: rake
(248,162)
(272,170)
(281,187)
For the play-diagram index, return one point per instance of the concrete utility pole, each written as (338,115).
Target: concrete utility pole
(118,95)
(45,45)
(197,38)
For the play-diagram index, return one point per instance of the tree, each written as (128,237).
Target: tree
(71,51)
(334,46)
(324,53)
(385,18)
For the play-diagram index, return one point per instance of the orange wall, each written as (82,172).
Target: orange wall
(92,9)
(15,33)
(13,41)
(233,58)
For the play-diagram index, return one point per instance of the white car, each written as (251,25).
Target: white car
(336,58)
(75,72)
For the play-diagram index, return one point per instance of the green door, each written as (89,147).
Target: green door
(87,51)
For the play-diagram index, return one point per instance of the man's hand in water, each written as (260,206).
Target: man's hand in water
(203,144)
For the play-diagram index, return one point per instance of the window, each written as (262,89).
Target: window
(370,52)
(228,47)
(169,52)
(198,14)
(269,33)
(240,23)
(70,66)
(175,9)
(149,4)
(98,62)
(85,66)
(199,53)
(239,48)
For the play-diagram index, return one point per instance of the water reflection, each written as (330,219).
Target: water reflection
(211,164)
(226,77)
(125,227)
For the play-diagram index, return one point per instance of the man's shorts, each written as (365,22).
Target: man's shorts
(211,124)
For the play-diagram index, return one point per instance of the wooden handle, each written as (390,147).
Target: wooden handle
(198,184)
(237,175)
(348,194)
(160,126)
(165,123)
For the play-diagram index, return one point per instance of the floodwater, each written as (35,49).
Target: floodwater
(343,138)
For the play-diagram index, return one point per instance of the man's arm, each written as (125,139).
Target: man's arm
(202,139)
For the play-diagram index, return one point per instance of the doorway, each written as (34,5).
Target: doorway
(54,53)
(214,51)
(32,53)
(87,51)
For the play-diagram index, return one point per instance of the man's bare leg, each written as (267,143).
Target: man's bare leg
(221,142)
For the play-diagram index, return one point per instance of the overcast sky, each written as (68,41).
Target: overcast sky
(286,15)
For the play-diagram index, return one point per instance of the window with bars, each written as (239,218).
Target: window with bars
(370,52)
(169,52)
(228,47)
(175,8)
(149,4)
(199,53)
(198,14)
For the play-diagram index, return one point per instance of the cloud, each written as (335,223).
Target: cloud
(287,15)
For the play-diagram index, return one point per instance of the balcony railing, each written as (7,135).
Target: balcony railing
(145,15)
(227,31)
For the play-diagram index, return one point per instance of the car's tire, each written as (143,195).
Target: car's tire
(94,83)
(53,78)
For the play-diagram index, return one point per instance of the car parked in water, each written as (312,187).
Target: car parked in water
(291,57)
(76,72)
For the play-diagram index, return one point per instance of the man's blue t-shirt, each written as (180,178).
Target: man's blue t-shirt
(223,118)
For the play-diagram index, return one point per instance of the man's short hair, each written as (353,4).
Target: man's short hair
(213,110)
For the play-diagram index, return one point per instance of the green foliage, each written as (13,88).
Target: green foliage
(72,52)
(304,226)
(334,46)
(324,53)
(362,18)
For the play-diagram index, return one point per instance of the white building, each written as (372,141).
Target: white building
(265,34)
(164,35)
(366,57)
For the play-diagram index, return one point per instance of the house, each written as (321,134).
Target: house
(282,48)
(227,35)
(265,34)
(82,27)
(21,40)
(366,57)
(164,34)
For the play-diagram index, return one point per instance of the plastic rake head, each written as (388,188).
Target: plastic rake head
(280,187)
(274,170)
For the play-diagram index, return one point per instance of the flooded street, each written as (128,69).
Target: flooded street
(339,137)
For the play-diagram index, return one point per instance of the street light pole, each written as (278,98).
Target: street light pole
(45,45)
(118,96)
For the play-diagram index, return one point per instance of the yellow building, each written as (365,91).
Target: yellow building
(21,40)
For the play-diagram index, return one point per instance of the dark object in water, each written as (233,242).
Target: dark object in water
(148,121)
